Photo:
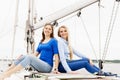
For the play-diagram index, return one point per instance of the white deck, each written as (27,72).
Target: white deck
(61,76)
(65,76)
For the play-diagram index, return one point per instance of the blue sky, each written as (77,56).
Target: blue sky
(78,36)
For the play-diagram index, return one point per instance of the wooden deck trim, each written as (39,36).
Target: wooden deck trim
(66,76)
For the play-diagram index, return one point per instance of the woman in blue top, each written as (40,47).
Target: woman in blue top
(66,53)
(47,48)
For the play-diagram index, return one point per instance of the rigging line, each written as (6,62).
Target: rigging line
(110,32)
(32,31)
(112,29)
(32,5)
(15,25)
(67,17)
(100,63)
(29,28)
(99,11)
(21,28)
(88,38)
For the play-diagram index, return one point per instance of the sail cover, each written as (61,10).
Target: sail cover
(64,12)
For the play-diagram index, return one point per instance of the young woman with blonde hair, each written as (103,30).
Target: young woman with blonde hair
(66,51)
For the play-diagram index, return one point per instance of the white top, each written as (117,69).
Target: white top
(64,53)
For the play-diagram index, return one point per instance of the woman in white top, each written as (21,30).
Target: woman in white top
(66,53)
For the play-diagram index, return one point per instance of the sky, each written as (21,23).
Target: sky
(89,18)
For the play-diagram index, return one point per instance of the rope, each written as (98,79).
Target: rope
(110,29)
(88,38)
(29,29)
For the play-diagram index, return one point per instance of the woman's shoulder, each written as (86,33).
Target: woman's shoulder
(61,40)
(53,39)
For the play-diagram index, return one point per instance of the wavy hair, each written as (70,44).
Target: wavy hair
(51,35)
(67,39)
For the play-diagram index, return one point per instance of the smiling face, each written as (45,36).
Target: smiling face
(47,30)
(63,32)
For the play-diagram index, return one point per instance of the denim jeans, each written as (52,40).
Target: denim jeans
(79,64)
(36,63)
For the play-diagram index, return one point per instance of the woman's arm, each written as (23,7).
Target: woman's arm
(77,53)
(56,57)
(36,54)
(63,56)
(56,63)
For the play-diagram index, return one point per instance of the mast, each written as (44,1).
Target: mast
(14,32)
(65,12)
(29,28)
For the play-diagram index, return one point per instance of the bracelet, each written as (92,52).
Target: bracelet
(55,69)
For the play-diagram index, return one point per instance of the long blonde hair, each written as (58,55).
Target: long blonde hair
(67,39)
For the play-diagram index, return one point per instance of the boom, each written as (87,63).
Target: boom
(64,12)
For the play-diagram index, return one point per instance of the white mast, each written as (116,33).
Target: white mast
(15,25)
(65,12)
(29,28)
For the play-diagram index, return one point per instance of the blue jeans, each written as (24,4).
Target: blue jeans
(37,64)
(79,64)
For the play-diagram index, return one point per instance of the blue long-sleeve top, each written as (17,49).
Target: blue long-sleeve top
(64,53)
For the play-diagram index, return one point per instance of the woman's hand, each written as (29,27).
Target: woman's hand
(91,62)
(55,71)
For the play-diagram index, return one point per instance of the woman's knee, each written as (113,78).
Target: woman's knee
(20,56)
(19,59)
(30,57)
(85,59)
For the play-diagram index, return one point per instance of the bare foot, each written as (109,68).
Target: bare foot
(1,77)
